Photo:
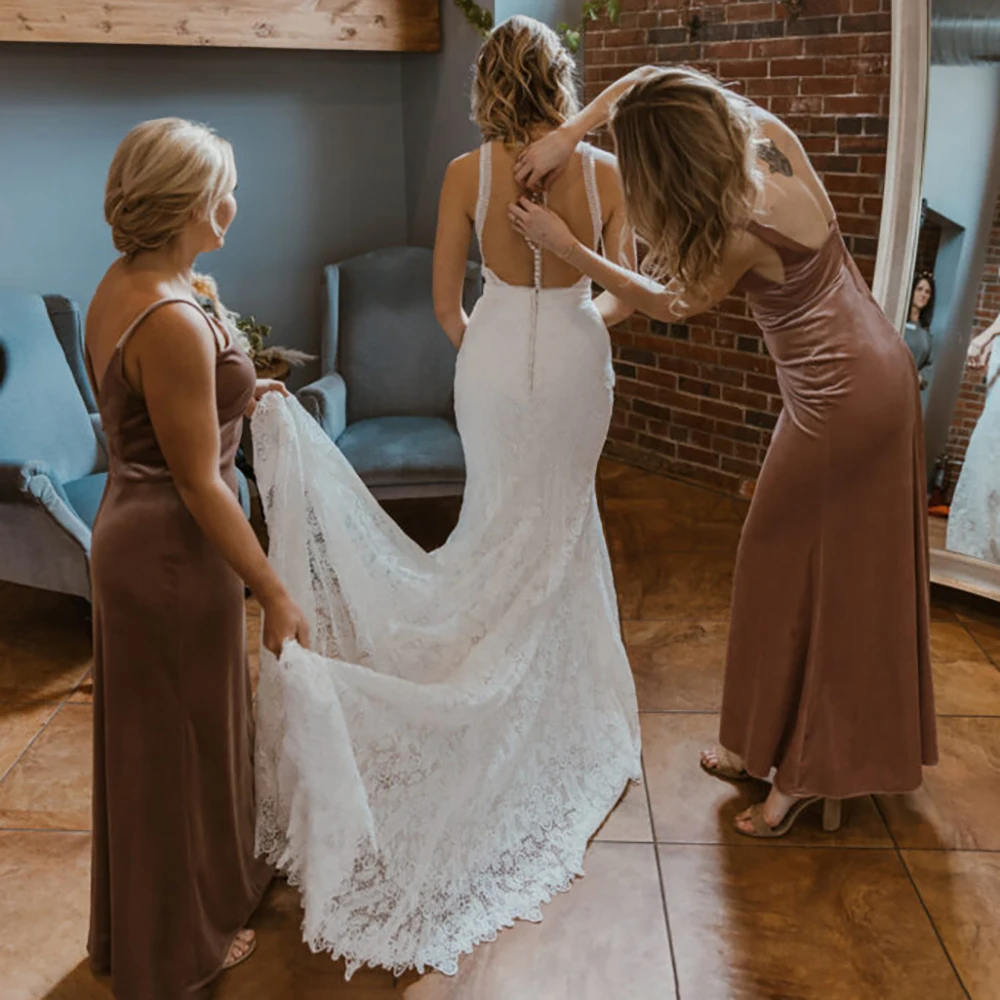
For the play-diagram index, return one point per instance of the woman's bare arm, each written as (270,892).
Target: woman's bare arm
(671,303)
(451,250)
(619,246)
(544,159)
(175,353)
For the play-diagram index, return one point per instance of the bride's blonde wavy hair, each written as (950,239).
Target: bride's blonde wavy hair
(165,174)
(523,79)
(686,154)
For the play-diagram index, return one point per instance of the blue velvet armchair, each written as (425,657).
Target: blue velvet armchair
(386,396)
(53,457)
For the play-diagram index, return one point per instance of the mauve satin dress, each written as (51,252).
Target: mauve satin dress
(174,875)
(828,675)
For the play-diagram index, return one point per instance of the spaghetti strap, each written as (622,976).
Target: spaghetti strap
(147,312)
(119,348)
(779,241)
(593,196)
(485,183)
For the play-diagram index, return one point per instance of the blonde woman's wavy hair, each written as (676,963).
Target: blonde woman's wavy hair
(524,78)
(166,173)
(688,164)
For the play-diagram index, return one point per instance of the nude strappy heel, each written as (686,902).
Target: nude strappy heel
(760,828)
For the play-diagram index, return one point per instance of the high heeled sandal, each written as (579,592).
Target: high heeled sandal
(724,769)
(763,830)
(250,943)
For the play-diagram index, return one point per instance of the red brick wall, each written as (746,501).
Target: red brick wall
(972,397)
(699,400)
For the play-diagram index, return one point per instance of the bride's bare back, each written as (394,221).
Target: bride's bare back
(505,251)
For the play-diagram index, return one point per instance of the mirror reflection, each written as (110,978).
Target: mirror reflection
(953,322)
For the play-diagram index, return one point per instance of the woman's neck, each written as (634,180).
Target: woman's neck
(173,265)
(915,314)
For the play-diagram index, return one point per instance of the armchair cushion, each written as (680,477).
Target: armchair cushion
(85,496)
(381,334)
(42,414)
(404,450)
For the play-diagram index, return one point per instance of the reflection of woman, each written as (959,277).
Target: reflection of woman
(174,876)
(828,677)
(974,520)
(917,332)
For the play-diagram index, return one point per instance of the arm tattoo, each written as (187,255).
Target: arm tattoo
(774,158)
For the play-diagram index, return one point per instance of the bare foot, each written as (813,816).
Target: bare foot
(776,805)
(242,946)
(718,760)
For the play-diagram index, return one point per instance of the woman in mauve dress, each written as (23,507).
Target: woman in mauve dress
(174,876)
(828,678)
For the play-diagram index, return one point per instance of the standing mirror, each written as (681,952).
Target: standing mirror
(938,272)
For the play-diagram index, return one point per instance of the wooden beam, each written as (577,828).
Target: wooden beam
(381,25)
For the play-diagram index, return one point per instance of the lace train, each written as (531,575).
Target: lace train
(434,768)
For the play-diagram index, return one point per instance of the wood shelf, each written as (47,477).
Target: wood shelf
(360,25)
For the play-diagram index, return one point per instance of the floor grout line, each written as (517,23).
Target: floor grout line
(34,739)
(921,900)
(982,649)
(663,888)
(44,829)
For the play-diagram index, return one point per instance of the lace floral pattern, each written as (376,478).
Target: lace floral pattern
(434,768)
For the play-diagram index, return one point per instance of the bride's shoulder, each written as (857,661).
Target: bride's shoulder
(605,163)
(462,173)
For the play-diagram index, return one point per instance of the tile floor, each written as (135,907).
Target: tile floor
(902,904)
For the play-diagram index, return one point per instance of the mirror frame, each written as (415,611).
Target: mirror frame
(898,230)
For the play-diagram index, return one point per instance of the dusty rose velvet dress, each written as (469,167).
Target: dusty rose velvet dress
(828,675)
(174,874)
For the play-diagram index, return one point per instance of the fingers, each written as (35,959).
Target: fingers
(302,634)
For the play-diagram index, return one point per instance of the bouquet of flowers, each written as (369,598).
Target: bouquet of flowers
(249,334)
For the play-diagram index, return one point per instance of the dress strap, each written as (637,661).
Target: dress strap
(148,311)
(593,196)
(485,184)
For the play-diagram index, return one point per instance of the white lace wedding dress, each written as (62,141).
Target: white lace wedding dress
(974,519)
(434,769)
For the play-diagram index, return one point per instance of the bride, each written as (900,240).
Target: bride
(974,521)
(435,768)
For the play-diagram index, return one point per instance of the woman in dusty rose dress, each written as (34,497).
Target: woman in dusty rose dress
(174,875)
(828,680)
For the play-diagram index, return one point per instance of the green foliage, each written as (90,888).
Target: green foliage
(481,20)
(256,333)
(571,34)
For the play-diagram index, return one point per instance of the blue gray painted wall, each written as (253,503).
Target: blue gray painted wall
(318,139)
(338,153)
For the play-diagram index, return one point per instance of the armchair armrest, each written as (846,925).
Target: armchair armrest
(36,483)
(326,401)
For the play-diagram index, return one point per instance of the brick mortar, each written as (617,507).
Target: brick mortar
(706,390)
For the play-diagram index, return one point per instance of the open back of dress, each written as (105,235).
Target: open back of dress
(436,767)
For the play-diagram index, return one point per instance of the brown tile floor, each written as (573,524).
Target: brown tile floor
(902,903)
